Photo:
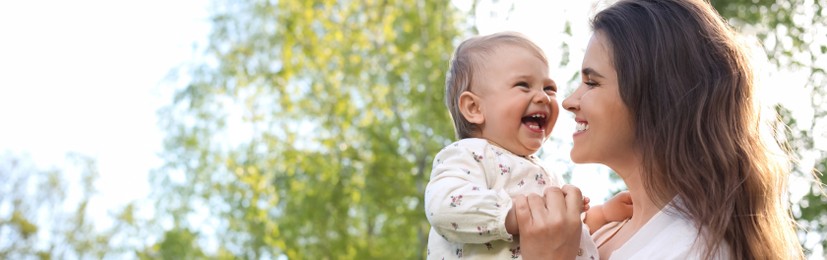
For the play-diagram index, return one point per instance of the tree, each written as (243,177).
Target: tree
(309,129)
(43,216)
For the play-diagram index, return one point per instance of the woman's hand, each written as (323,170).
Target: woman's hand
(550,226)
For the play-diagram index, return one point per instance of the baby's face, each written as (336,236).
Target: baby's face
(518,99)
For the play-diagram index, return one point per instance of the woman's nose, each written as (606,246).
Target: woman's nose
(572,102)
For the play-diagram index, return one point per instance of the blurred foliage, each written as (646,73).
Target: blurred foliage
(811,210)
(786,27)
(339,105)
(175,244)
(42,216)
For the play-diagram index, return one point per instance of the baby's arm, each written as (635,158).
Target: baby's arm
(511,222)
(617,208)
(458,203)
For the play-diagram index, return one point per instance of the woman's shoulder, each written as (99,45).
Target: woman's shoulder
(668,235)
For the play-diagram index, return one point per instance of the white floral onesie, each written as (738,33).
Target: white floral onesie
(469,195)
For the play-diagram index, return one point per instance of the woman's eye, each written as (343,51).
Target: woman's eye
(591,84)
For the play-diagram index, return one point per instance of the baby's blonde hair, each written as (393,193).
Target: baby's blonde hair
(468,58)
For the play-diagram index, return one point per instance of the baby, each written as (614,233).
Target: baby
(504,106)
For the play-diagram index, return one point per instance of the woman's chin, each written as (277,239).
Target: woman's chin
(578,158)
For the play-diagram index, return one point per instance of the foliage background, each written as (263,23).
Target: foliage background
(306,131)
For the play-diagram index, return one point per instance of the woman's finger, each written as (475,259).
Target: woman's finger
(523,212)
(555,199)
(537,207)
(573,201)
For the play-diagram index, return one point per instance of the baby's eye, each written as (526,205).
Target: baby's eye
(522,84)
(550,89)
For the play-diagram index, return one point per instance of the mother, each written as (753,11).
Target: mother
(667,101)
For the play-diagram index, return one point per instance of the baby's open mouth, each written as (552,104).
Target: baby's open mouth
(535,121)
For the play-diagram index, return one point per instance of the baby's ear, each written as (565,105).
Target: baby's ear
(471,108)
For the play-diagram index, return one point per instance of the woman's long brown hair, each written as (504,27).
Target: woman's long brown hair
(689,86)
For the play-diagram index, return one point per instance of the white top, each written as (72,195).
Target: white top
(668,235)
(469,196)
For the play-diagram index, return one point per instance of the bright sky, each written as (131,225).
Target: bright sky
(85,76)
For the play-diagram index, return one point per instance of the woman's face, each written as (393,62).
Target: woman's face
(604,131)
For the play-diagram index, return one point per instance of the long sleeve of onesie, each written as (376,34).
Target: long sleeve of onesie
(458,201)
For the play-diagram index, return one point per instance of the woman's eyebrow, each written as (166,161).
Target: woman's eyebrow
(591,73)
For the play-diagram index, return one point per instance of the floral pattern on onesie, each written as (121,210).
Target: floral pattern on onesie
(469,195)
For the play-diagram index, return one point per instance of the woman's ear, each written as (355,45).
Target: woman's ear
(471,108)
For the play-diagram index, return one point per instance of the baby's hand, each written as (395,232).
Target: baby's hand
(619,207)
(586,201)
